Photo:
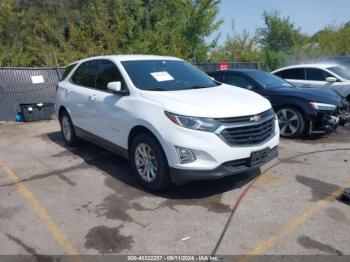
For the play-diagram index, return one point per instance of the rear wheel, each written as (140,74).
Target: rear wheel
(149,163)
(291,121)
(67,129)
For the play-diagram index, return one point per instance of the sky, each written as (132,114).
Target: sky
(309,15)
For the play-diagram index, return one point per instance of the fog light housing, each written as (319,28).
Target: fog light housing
(185,155)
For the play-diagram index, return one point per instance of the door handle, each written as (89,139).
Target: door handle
(69,90)
(93,97)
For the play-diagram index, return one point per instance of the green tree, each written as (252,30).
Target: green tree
(179,28)
(279,33)
(333,40)
(47,33)
(278,39)
(7,36)
(238,47)
(201,23)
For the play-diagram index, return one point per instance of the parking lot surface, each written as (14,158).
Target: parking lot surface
(84,200)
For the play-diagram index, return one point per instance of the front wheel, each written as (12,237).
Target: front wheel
(149,163)
(291,122)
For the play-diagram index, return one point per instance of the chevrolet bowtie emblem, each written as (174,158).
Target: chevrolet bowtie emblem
(255,118)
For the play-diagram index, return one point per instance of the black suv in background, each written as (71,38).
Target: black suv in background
(299,110)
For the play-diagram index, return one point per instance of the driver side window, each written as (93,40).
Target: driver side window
(107,72)
(237,80)
(315,74)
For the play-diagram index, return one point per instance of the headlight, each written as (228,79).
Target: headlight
(321,106)
(197,123)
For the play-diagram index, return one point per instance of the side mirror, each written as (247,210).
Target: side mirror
(331,79)
(115,86)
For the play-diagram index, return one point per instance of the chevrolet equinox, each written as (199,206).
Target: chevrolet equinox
(172,121)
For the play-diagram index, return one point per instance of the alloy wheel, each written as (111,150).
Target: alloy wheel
(289,122)
(145,161)
(66,129)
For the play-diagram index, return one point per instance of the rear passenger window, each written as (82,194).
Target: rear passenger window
(86,73)
(236,80)
(315,74)
(107,72)
(295,73)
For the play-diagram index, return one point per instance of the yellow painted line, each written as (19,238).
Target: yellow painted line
(40,211)
(294,224)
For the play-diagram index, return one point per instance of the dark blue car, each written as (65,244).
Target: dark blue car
(300,111)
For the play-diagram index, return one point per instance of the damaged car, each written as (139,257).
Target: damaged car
(300,111)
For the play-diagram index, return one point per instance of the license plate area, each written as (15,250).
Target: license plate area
(260,156)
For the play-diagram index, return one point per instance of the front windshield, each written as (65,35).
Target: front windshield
(166,75)
(267,80)
(340,71)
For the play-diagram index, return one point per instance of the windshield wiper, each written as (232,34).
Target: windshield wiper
(156,89)
(198,87)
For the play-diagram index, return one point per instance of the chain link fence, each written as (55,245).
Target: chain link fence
(207,67)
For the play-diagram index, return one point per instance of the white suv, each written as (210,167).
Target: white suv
(172,121)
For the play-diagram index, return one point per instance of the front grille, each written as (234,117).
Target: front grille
(249,134)
(239,163)
(241,119)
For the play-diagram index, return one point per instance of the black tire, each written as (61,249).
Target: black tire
(295,126)
(66,122)
(162,179)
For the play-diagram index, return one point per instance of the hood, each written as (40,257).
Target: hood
(312,94)
(215,102)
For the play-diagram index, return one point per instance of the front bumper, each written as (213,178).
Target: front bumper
(326,122)
(209,148)
(181,176)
